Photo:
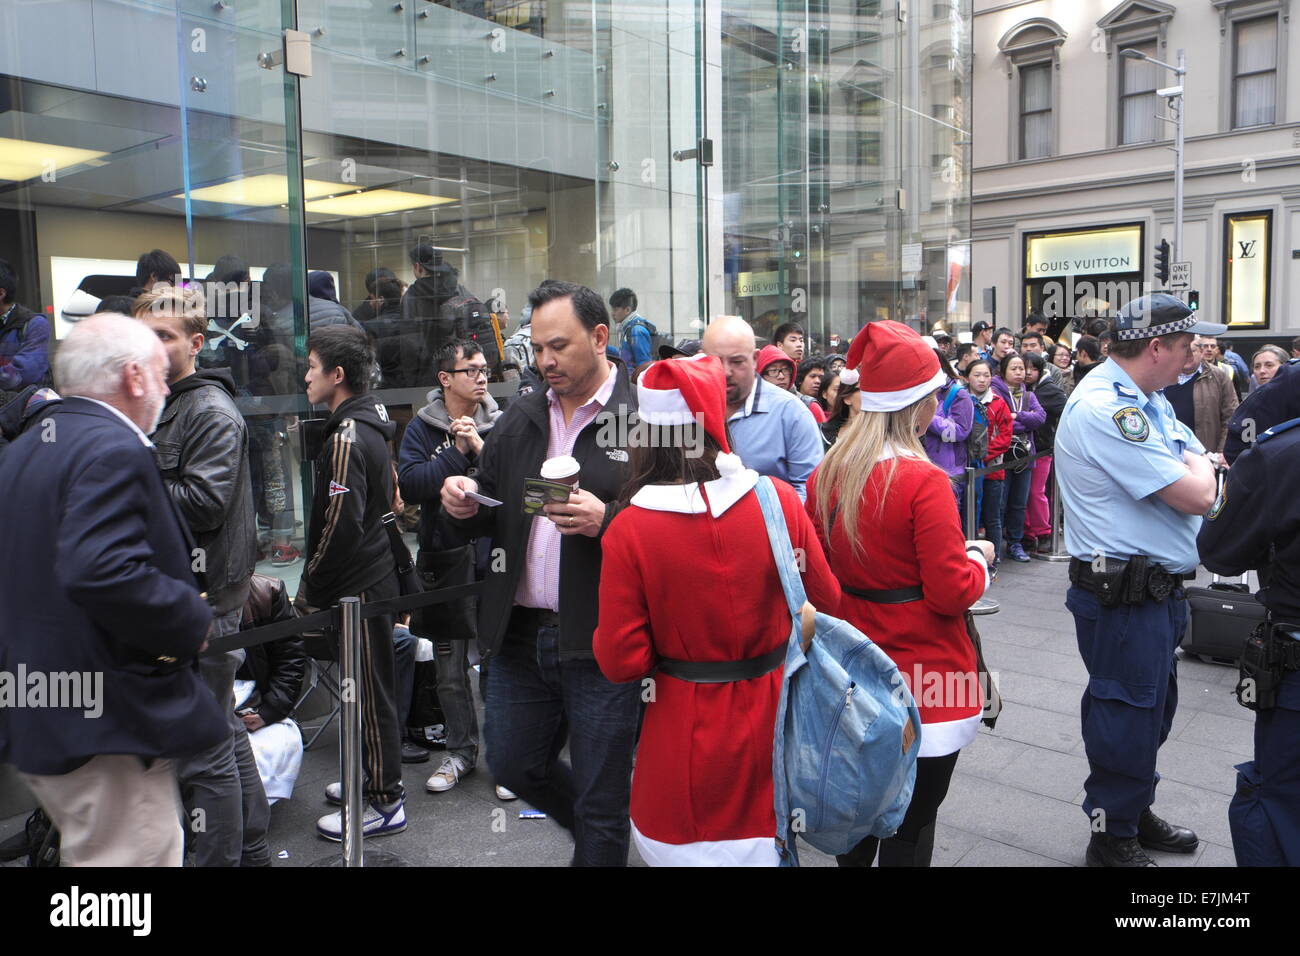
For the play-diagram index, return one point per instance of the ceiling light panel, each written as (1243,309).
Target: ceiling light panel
(375,202)
(22,159)
(266,189)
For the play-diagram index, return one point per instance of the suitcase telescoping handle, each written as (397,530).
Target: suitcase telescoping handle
(1221,476)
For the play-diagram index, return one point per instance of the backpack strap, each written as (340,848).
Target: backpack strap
(951,397)
(778,537)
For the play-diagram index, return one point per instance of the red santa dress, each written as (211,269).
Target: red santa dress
(687,573)
(915,539)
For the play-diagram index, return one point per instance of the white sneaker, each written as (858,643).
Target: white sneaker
(334,793)
(374,822)
(448,774)
(504,794)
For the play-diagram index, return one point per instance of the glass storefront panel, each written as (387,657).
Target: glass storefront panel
(176,140)
(845,139)
(520,140)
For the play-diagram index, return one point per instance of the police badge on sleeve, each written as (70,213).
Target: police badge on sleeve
(1132,424)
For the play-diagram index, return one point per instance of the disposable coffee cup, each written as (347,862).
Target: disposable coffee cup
(563,469)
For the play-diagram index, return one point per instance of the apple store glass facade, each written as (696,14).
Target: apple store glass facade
(778,160)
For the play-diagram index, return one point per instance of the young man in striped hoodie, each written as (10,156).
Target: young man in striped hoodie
(348,554)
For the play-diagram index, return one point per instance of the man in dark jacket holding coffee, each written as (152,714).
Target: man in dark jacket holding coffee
(539,604)
(201,447)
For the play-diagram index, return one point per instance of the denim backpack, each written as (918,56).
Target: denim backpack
(847,728)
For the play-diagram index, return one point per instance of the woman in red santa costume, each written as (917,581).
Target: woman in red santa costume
(886,520)
(691,599)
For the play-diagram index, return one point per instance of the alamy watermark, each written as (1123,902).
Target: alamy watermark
(633,432)
(1085,298)
(957,690)
(66,690)
(216,300)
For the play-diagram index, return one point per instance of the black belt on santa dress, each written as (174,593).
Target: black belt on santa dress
(722,672)
(894,596)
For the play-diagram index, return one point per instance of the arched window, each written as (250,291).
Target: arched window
(1032,50)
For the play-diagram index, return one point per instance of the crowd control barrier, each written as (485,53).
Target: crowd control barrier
(345,618)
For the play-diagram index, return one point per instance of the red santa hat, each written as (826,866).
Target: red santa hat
(687,391)
(897,364)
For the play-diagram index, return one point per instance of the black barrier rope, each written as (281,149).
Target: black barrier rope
(1005,466)
(329,618)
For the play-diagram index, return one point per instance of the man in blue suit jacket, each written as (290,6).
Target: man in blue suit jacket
(102,616)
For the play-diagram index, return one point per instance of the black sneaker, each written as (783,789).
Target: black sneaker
(413,752)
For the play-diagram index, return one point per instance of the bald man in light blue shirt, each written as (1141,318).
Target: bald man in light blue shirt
(772,431)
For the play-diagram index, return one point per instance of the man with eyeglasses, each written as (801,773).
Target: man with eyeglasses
(1203,397)
(444,439)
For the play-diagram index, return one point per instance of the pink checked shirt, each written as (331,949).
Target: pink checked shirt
(540,584)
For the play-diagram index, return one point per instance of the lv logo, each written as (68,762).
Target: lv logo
(1247,248)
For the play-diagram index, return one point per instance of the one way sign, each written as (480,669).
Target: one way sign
(1180,275)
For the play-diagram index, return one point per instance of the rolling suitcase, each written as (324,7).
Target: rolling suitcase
(1222,618)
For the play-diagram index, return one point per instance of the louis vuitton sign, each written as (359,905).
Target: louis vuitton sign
(1248,247)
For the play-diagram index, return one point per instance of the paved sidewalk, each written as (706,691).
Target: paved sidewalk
(1015,798)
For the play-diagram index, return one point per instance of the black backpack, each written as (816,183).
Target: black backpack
(471,320)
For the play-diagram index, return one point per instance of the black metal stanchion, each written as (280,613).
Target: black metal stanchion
(350,729)
(971,518)
(1058,552)
(984,604)
(352,814)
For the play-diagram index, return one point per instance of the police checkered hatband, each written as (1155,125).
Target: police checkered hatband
(1151,331)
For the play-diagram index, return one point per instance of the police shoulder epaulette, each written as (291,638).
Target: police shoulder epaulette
(1279,429)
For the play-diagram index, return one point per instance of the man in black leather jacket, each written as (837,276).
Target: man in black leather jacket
(201,447)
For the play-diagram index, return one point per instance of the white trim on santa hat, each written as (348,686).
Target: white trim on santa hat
(896,401)
(663,406)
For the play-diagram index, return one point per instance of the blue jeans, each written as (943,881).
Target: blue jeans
(994,493)
(225,804)
(534,703)
(1017,496)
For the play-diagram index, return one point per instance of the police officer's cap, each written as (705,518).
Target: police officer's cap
(1160,314)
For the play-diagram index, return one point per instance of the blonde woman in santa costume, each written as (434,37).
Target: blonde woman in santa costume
(690,596)
(886,519)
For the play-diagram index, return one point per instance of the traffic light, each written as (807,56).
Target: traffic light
(1193,300)
(1162,262)
(798,245)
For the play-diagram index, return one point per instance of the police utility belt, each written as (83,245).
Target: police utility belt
(1269,655)
(1132,580)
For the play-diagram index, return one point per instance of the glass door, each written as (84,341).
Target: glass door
(242,199)
(651,199)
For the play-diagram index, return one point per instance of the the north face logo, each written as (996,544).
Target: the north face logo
(337,489)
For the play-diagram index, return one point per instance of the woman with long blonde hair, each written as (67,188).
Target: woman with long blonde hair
(886,518)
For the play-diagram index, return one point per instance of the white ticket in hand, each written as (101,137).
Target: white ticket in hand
(482,499)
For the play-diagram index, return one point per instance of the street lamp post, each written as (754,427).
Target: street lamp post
(1175,95)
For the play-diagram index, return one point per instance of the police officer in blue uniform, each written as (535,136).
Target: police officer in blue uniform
(1134,484)
(1270,404)
(1255,524)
